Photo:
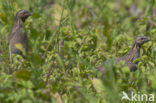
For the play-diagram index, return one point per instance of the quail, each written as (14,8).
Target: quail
(133,53)
(17,35)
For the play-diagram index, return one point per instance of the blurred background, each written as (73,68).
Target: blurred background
(67,40)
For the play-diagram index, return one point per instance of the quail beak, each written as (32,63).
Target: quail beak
(147,39)
(28,14)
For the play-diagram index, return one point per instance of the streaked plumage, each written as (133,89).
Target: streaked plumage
(134,52)
(17,34)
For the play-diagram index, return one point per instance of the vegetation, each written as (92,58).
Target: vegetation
(68,40)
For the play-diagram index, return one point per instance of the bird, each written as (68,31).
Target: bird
(18,36)
(133,53)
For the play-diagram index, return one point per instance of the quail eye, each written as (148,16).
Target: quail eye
(142,38)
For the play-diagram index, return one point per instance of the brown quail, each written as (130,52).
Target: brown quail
(17,35)
(134,52)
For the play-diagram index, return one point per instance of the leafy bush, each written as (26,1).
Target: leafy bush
(68,40)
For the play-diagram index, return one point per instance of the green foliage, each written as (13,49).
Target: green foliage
(68,40)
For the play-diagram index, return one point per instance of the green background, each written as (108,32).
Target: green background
(67,40)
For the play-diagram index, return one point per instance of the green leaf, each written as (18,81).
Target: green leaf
(98,85)
(23,74)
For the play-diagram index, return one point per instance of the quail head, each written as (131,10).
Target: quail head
(140,40)
(18,38)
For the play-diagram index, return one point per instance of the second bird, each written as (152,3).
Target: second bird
(18,36)
(134,53)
